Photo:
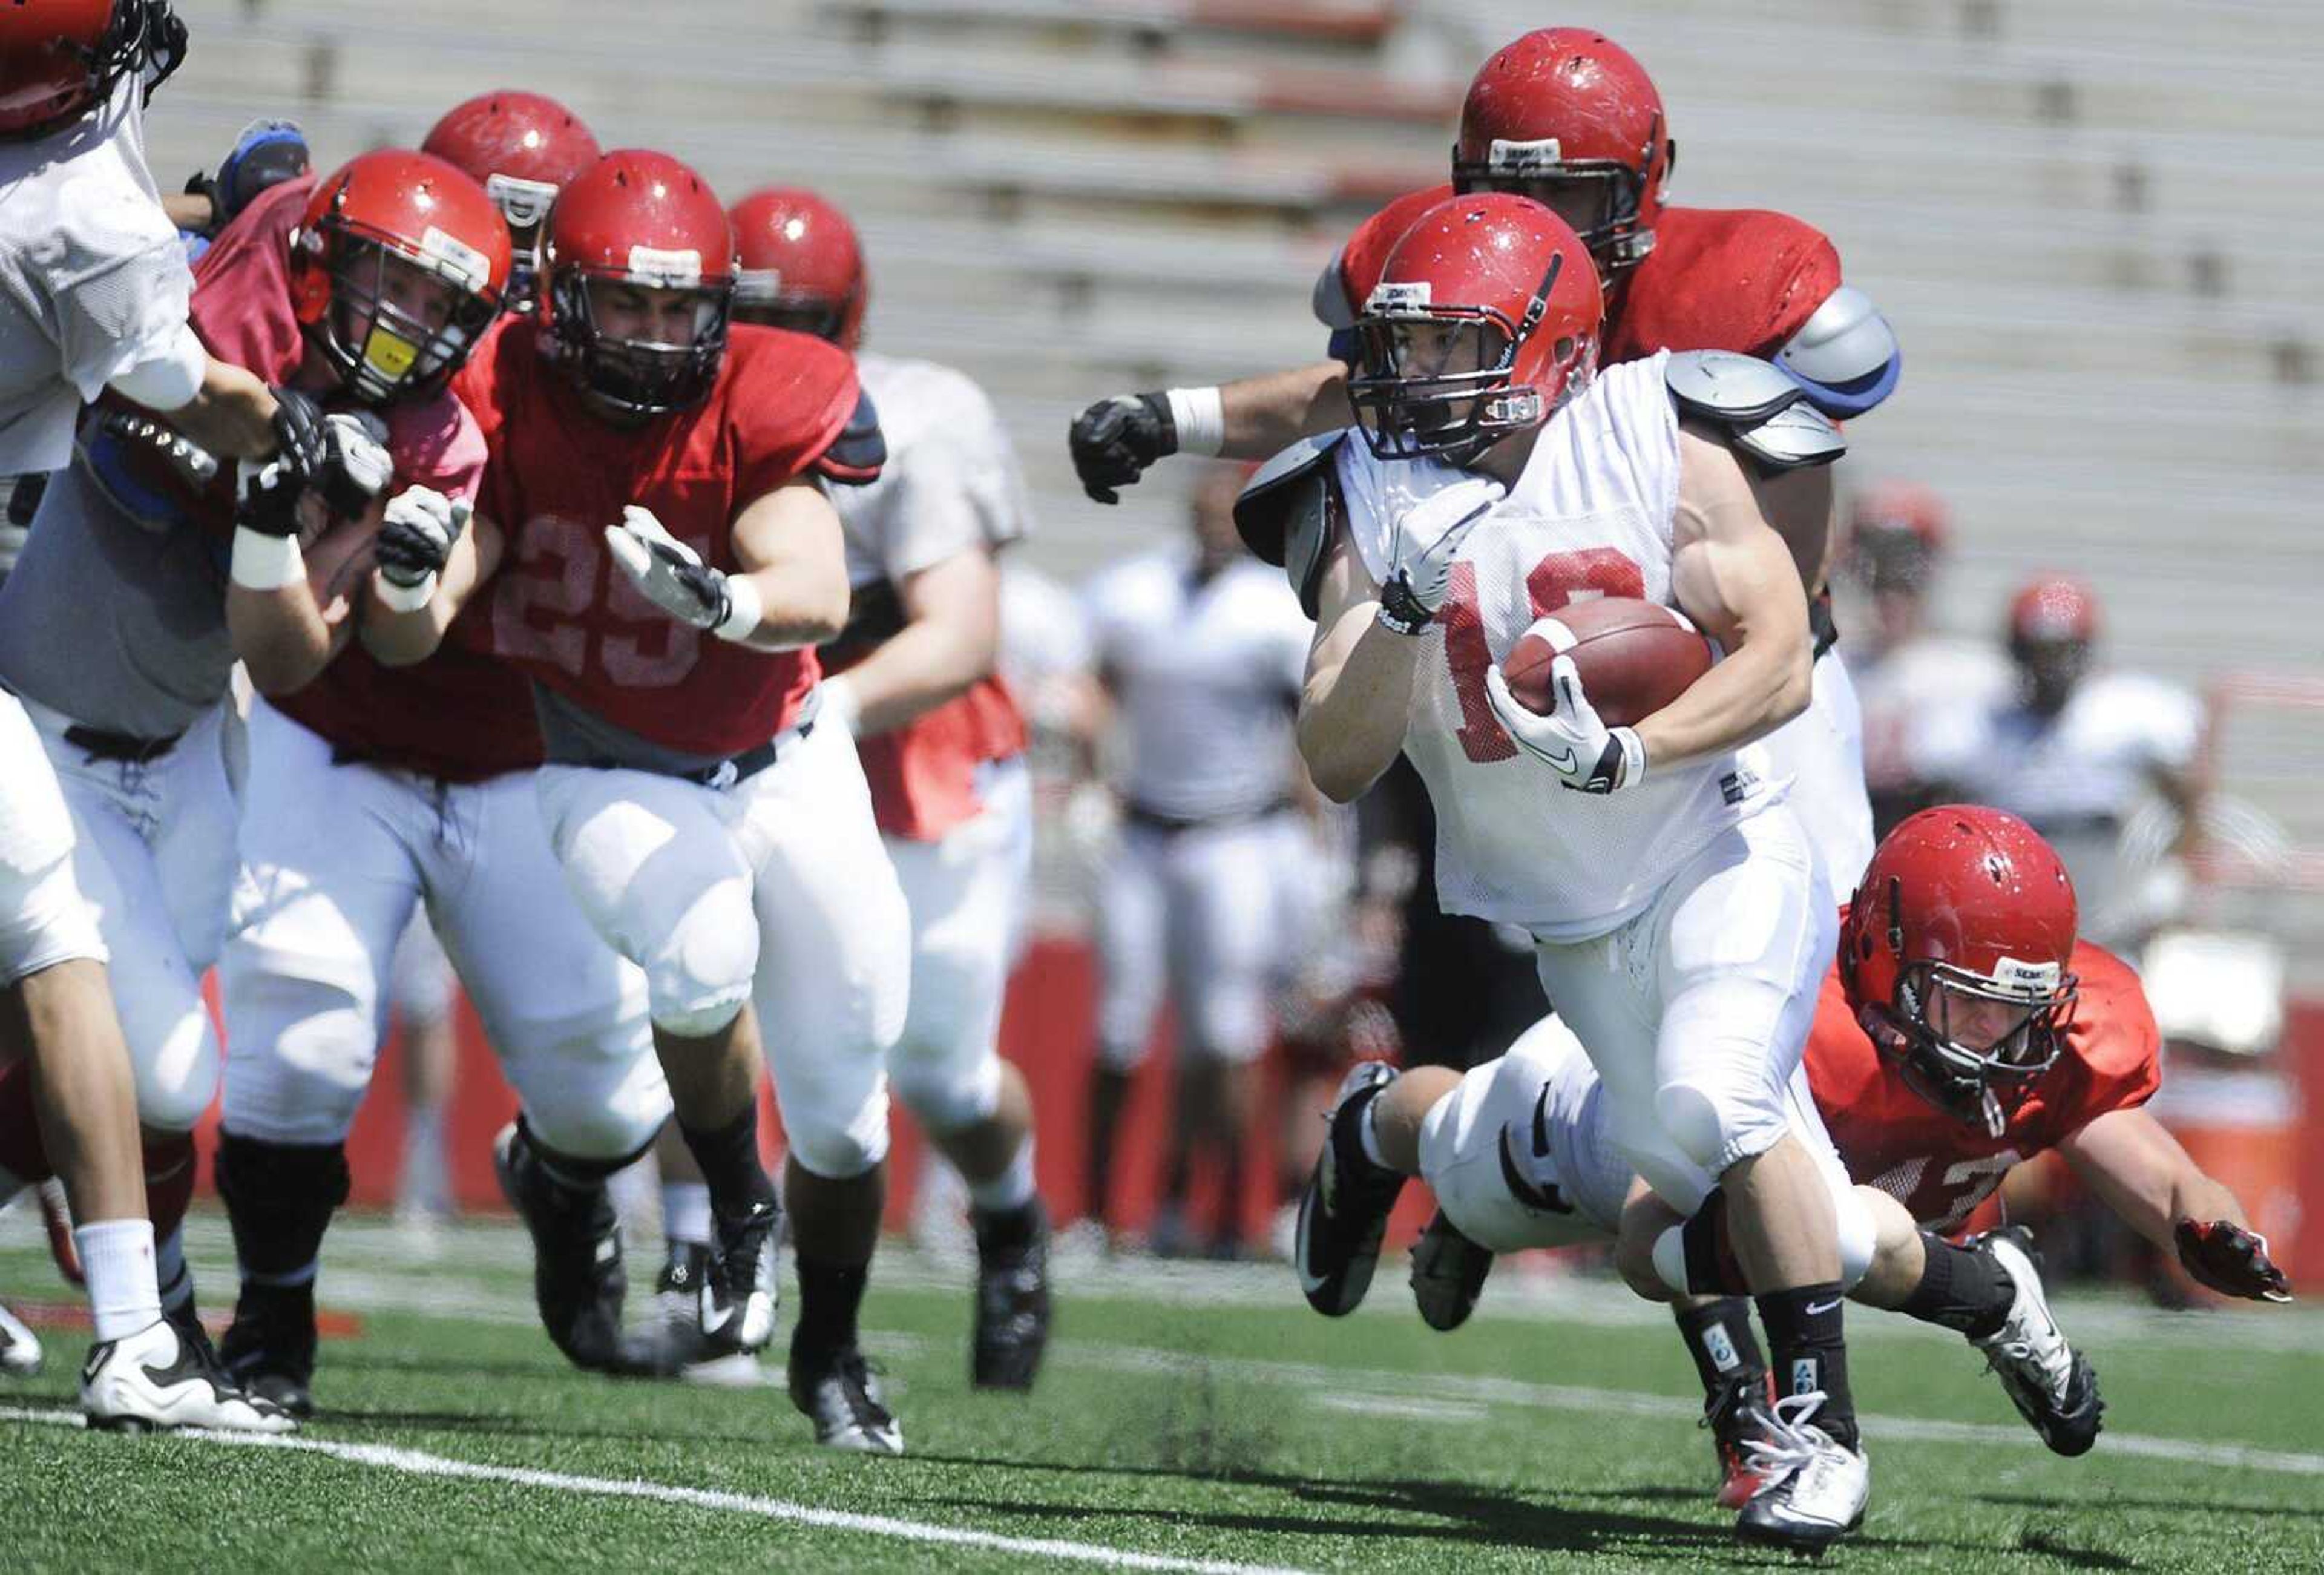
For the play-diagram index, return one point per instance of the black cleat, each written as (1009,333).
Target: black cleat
(1343,1212)
(578,1283)
(836,1390)
(270,1349)
(1740,1411)
(1448,1275)
(2050,1383)
(1012,1297)
(740,1295)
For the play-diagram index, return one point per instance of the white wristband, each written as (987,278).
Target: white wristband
(398,598)
(744,609)
(1633,755)
(1199,414)
(266,563)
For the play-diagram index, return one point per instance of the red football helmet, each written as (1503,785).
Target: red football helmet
(1484,322)
(373,237)
(1895,532)
(60,57)
(1566,116)
(523,148)
(801,265)
(2054,610)
(1954,956)
(644,220)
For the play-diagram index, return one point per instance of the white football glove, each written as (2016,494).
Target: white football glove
(674,578)
(1427,540)
(356,465)
(1587,755)
(416,535)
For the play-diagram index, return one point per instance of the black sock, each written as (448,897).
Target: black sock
(830,1293)
(1718,1337)
(1967,1291)
(1804,1327)
(729,1158)
(278,1201)
(573,1172)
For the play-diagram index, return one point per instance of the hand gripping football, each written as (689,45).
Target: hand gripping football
(1633,656)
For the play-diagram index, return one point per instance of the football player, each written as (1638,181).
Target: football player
(391,277)
(96,299)
(523,148)
(364,307)
(1195,645)
(1568,117)
(942,742)
(1680,915)
(660,560)
(1963,1030)
(2074,752)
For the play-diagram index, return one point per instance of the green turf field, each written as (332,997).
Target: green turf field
(1194,1420)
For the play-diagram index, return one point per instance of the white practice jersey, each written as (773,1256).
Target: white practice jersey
(1206,673)
(92,278)
(951,481)
(1590,516)
(1905,691)
(2093,761)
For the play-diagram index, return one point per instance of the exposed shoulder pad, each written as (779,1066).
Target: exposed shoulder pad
(1845,355)
(856,456)
(1287,509)
(1766,413)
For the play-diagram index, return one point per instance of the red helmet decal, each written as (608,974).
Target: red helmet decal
(801,265)
(1568,109)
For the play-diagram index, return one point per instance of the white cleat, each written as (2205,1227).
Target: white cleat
(156,1378)
(2052,1385)
(1816,1488)
(20,1348)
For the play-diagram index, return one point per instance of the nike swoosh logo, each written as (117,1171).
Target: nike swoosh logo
(1566,763)
(1815,1307)
(1540,1124)
(712,1324)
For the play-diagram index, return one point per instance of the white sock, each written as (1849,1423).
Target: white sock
(1368,1135)
(116,1258)
(1012,1189)
(169,1268)
(686,1212)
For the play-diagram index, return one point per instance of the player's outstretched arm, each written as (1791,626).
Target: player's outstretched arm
(2140,1172)
(231,412)
(1118,440)
(794,556)
(1357,698)
(950,637)
(1734,575)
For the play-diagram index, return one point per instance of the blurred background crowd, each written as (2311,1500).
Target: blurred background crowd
(2076,579)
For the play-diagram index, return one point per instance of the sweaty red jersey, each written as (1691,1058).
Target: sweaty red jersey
(1941,1168)
(558,475)
(1744,279)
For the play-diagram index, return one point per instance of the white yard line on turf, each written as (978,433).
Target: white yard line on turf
(417,1463)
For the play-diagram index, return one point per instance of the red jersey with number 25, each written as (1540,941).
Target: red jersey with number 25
(561,609)
(1941,1168)
(1741,279)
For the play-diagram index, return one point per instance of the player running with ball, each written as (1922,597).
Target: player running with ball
(1680,918)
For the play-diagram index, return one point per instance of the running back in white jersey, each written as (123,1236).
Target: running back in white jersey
(951,482)
(1590,516)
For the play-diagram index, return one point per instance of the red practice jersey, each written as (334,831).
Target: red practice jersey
(455,715)
(1742,279)
(558,475)
(1941,1168)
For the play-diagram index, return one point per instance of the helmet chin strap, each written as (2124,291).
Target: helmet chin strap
(1997,1120)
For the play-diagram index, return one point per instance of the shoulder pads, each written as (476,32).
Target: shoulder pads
(1287,509)
(1845,355)
(1764,412)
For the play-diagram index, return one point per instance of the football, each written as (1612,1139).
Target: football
(1633,656)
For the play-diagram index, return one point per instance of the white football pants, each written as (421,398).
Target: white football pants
(1821,751)
(335,858)
(776,890)
(44,920)
(1696,1012)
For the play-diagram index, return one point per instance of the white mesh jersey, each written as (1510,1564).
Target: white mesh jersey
(1206,673)
(951,481)
(1590,516)
(93,278)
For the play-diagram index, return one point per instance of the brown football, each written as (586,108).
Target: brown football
(1633,656)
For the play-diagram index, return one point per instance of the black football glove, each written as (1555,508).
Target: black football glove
(298,432)
(2231,1259)
(1115,440)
